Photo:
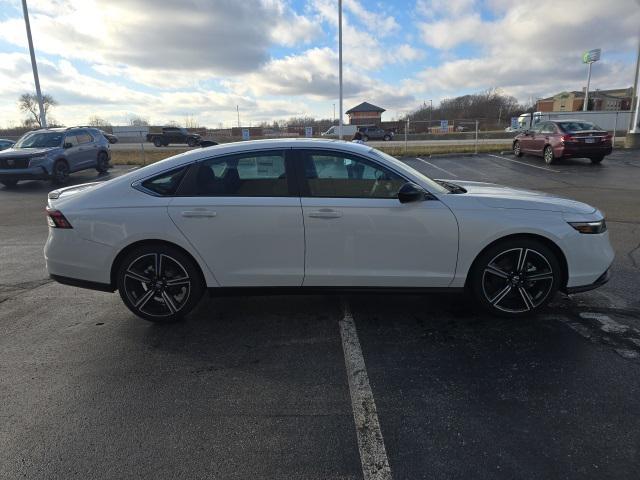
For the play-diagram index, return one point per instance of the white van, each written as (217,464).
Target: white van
(347,131)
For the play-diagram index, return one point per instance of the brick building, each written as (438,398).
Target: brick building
(599,100)
(365,114)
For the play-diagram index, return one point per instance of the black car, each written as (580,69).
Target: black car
(174,135)
(4,144)
(375,133)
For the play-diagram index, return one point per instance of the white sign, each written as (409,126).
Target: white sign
(444,126)
(591,56)
(514,123)
(308,132)
(245,134)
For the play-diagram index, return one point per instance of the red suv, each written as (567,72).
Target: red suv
(563,139)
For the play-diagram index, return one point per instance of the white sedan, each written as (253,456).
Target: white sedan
(306,215)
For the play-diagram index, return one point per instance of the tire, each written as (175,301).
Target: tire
(60,172)
(517,151)
(191,142)
(365,138)
(548,155)
(157,142)
(148,295)
(9,183)
(596,160)
(386,138)
(102,164)
(504,289)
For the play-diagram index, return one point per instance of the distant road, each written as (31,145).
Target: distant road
(394,143)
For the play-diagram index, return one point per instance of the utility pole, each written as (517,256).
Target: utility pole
(430,113)
(34,66)
(340,64)
(334,114)
(633,125)
(238,111)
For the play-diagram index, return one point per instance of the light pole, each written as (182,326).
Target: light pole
(589,58)
(238,111)
(430,111)
(34,66)
(635,100)
(334,115)
(340,64)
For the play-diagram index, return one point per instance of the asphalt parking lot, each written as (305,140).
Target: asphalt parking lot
(326,387)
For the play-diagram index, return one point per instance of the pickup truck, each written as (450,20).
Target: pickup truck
(375,133)
(174,135)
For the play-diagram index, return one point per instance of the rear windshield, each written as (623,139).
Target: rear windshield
(570,127)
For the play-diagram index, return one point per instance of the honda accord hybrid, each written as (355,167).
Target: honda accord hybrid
(308,215)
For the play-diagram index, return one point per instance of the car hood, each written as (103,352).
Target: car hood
(24,152)
(499,196)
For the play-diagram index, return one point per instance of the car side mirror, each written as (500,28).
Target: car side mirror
(410,192)
(67,145)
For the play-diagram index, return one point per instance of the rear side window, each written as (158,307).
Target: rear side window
(166,183)
(255,174)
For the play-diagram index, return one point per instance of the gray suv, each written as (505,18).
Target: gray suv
(53,154)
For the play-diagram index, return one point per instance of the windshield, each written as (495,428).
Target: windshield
(571,127)
(40,140)
(432,185)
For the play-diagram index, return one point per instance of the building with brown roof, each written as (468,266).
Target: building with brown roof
(365,114)
(599,100)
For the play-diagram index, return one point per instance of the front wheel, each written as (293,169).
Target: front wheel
(159,283)
(157,142)
(60,173)
(549,157)
(517,150)
(515,277)
(386,138)
(597,159)
(365,138)
(10,183)
(191,142)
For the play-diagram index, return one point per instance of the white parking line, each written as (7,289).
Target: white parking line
(373,454)
(435,166)
(523,163)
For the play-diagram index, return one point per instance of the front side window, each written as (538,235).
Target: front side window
(337,175)
(255,174)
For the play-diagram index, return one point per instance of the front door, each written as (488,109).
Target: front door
(359,234)
(243,216)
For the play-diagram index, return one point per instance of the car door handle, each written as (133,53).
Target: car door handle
(198,213)
(325,213)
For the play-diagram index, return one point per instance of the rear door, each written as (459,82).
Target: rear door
(358,233)
(243,215)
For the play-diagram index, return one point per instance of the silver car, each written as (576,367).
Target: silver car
(53,154)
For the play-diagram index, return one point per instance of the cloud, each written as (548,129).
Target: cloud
(224,37)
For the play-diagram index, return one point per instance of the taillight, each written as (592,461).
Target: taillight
(567,138)
(607,137)
(55,219)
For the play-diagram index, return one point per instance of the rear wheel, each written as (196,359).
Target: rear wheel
(102,164)
(386,138)
(157,142)
(9,183)
(597,159)
(192,142)
(549,157)
(365,138)
(515,277)
(60,173)
(517,151)
(159,283)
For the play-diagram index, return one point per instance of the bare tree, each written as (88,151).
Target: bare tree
(138,121)
(191,122)
(28,103)
(96,121)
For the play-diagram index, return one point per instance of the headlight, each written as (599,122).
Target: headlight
(35,160)
(590,227)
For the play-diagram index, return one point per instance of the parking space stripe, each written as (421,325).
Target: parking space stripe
(373,454)
(435,166)
(523,163)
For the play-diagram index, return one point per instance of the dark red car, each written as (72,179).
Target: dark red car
(564,139)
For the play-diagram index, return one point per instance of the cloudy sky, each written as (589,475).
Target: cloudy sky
(168,59)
